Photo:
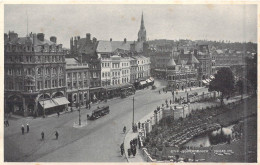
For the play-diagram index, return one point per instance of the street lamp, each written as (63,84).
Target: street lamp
(78,103)
(43,107)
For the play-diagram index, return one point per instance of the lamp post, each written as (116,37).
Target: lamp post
(133,111)
(78,103)
(43,106)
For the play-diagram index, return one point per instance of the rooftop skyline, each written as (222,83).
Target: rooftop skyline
(236,23)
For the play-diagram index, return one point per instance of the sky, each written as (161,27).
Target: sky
(235,23)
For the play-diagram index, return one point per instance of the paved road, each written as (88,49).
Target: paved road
(98,141)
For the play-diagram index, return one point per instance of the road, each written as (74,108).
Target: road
(98,141)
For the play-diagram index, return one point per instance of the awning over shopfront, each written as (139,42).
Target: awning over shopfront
(48,104)
(149,81)
(61,100)
(204,81)
(142,82)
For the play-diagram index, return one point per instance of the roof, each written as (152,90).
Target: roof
(171,63)
(71,61)
(25,40)
(111,46)
(192,60)
(219,51)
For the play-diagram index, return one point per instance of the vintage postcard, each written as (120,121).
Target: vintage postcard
(132,82)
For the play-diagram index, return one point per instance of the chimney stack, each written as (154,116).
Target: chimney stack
(6,37)
(12,35)
(53,39)
(94,40)
(88,36)
(40,36)
(110,39)
(124,40)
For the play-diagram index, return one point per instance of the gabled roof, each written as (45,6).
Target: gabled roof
(71,61)
(192,60)
(171,63)
(111,46)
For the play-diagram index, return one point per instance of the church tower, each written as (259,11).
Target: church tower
(142,31)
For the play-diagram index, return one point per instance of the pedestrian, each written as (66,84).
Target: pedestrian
(7,123)
(139,125)
(170,102)
(22,129)
(131,142)
(163,89)
(193,157)
(134,151)
(58,113)
(129,152)
(27,125)
(159,92)
(89,106)
(42,134)
(57,135)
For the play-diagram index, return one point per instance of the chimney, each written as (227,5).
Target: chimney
(110,39)
(34,39)
(12,35)
(124,40)
(53,39)
(78,37)
(195,51)
(94,40)
(88,36)
(182,51)
(40,36)
(6,37)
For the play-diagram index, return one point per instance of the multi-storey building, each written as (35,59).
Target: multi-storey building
(34,75)
(205,65)
(115,74)
(77,80)
(84,49)
(133,70)
(143,67)
(182,74)
(228,58)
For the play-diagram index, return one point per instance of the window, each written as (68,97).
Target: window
(103,74)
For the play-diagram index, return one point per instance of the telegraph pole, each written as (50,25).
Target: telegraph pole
(133,110)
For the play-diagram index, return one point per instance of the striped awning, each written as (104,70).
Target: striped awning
(48,104)
(143,82)
(61,100)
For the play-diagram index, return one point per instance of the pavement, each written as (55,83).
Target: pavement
(96,141)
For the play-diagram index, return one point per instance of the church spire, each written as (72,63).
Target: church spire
(142,22)
(142,31)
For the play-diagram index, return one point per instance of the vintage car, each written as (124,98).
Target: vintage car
(99,112)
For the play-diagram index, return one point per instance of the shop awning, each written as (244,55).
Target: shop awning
(48,104)
(142,82)
(204,81)
(212,77)
(61,100)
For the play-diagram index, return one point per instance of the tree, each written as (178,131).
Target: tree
(223,82)
(252,71)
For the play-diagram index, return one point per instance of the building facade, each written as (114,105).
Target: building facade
(84,49)
(34,75)
(182,74)
(203,54)
(77,80)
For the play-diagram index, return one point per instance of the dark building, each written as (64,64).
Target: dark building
(34,75)
(84,49)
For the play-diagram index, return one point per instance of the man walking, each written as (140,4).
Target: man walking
(27,125)
(42,135)
(57,135)
(22,129)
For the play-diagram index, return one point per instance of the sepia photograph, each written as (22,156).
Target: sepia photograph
(128,83)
